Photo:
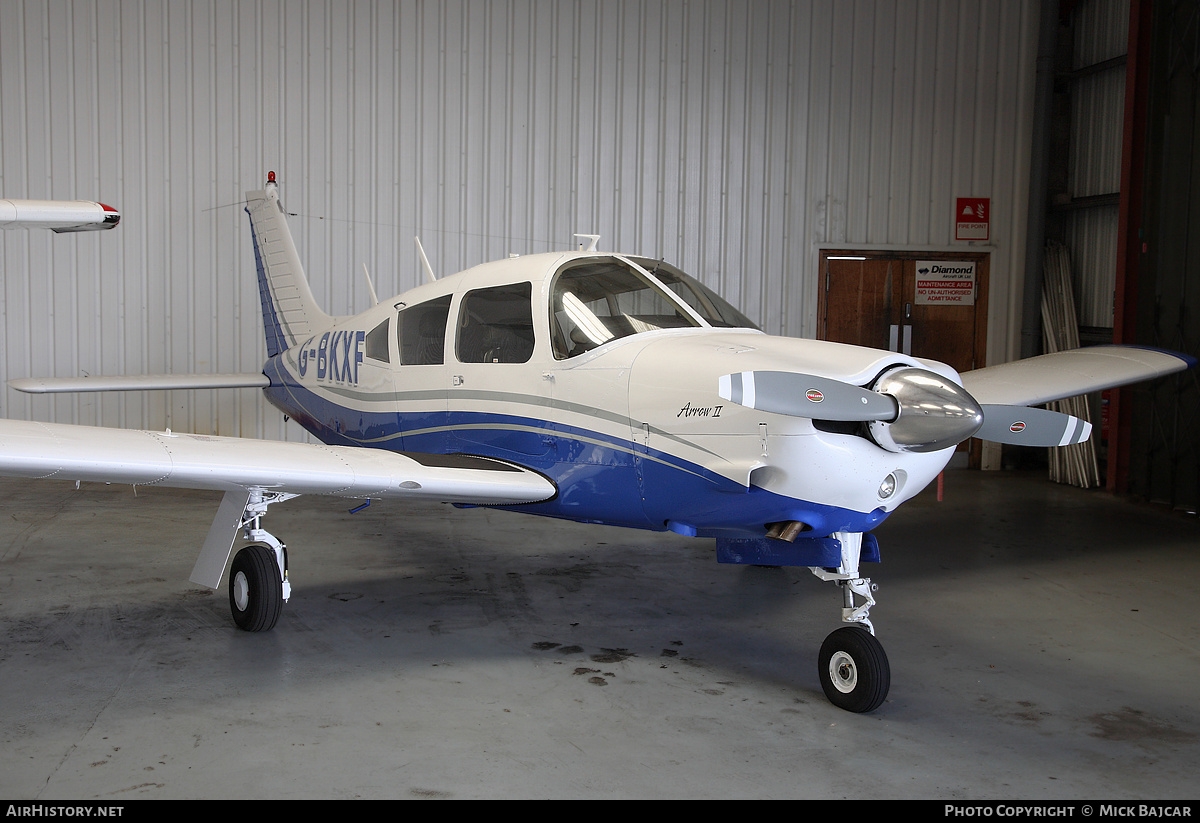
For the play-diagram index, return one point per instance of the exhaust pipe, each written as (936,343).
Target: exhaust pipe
(787,530)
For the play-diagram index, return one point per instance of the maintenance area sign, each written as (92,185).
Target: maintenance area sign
(945,283)
(973,218)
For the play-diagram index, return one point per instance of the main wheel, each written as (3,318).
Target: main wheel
(854,670)
(255,588)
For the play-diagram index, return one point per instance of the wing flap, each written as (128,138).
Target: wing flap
(69,452)
(1065,374)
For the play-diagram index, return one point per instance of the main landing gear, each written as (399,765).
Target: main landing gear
(258,578)
(853,669)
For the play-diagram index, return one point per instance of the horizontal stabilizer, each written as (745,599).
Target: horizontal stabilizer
(1070,373)
(57,215)
(192,461)
(1022,426)
(139,382)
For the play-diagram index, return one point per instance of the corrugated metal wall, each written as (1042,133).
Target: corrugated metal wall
(732,138)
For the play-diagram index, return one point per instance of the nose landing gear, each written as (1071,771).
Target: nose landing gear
(852,666)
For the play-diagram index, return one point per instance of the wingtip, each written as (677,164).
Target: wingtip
(1189,361)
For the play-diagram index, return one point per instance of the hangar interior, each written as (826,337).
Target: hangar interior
(788,153)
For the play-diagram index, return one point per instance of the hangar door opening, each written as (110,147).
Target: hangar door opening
(926,304)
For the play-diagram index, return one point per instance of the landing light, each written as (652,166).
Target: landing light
(888,487)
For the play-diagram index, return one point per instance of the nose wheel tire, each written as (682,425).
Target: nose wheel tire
(854,670)
(255,589)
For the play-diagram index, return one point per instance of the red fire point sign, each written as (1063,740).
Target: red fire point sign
(972,218)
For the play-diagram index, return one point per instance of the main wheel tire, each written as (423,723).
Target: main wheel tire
(854,670)
(255,589)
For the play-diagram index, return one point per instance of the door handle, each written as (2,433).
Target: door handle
(900,338)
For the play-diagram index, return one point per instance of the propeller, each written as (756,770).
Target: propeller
(805,395)
(1023,426)
(907,410)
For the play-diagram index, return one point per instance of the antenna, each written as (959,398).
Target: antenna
(425,261)
(370,285)
(595,238)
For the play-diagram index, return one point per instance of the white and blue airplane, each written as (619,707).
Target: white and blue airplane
(590,386)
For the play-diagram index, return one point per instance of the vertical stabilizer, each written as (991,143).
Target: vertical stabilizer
(290,313)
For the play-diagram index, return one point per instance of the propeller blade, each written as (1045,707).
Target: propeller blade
(1023,426)
(805,395)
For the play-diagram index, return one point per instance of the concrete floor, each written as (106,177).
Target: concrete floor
(1044,644)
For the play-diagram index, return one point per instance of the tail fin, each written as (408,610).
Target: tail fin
(290,313)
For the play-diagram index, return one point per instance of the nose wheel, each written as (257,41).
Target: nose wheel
(854,671)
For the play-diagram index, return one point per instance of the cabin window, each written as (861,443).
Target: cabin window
(495,325)
(421,330)
(376,346)
(595,301)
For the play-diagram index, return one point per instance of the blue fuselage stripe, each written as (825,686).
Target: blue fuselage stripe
(601,478)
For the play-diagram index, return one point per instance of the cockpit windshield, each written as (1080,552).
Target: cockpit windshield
(597,300)
(715,310)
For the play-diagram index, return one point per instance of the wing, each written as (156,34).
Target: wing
(1069,373)
(143,458)
(247,470)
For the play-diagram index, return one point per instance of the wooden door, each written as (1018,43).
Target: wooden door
(929,304)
